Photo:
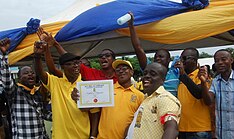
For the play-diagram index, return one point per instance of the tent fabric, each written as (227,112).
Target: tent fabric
(217,18)
(17,35)
(26,46)
(185,27)
(103,18)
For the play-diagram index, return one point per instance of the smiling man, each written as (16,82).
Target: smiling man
(69,122)
(25,101)
(159,113)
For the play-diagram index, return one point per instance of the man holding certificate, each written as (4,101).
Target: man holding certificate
(114,120)
(69,122)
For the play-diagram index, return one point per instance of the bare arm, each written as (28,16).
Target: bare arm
(170,130)
(38,50)
(141,56)
(50,63)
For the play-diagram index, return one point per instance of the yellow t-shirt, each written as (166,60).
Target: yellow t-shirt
(195,115)
(147,123)
(68,121)
(114,120)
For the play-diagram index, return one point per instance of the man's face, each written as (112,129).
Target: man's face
(27,77)
(106,59)
(124,74)
(189,61)
(72,68)
(162,57)
(223,61)
(152,78)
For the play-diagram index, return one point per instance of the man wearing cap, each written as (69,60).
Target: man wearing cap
(69,122)
(114,120)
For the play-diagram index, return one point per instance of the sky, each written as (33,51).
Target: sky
(16,13)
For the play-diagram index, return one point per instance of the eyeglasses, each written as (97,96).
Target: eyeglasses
(105,55)
(184,58)
(123,68)
(72,63)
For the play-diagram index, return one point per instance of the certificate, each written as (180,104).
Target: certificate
(99,93)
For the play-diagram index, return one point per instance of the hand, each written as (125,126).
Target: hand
(75,95)
(39,47)
(180,65)
(203,74)
(131,21)
(4,45)
(45,36)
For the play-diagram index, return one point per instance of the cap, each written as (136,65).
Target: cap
(67,57)
(124,62)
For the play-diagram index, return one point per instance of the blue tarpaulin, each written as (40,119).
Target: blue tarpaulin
(17,35)
(103,18)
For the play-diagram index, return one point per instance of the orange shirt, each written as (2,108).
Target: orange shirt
(195,115)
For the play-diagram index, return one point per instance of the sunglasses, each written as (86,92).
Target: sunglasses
(123,68)
(184,58)
(105,55)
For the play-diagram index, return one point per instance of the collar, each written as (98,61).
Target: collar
(78,79)
(194,73)
(32,91)
(159,91)
(230,77)
(117,85)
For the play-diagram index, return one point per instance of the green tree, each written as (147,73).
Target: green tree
(205,55)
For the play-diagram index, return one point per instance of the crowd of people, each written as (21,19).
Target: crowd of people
(182,101)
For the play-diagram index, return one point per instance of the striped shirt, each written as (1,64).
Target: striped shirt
(224,99)
(26,110)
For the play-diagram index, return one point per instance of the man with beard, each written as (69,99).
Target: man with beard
(222,90)
(115,120)
(69,122)
(159,113)
(195,119)
(161,56)
(25,101)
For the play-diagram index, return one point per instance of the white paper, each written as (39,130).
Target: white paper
(99,93)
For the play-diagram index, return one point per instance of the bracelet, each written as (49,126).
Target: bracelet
(92,137)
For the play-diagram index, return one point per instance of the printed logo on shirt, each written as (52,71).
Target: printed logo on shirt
(154,109)
(133,98)
(139,116)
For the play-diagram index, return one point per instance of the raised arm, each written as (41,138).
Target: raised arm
(38,51)
(7,81)
(206,96)
(44,36)
(141,56)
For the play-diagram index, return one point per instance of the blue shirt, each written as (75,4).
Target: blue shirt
(172,81)
(224,98)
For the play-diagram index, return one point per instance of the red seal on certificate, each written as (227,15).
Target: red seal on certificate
(95,100)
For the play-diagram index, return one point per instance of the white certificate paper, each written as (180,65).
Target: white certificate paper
(99,93)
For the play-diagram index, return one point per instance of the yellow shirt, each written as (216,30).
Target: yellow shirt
(68,121)
(195,115)
(147,122)
(114,120)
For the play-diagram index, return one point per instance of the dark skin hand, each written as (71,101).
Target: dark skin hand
(180,65)
(4,45)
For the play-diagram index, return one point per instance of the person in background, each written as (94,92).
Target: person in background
(195,117)
(222,92)
(159,114)
(68,121)
(25,101)
(161,56)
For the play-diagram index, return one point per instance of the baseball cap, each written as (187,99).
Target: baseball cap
(67,57)
(124,62)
